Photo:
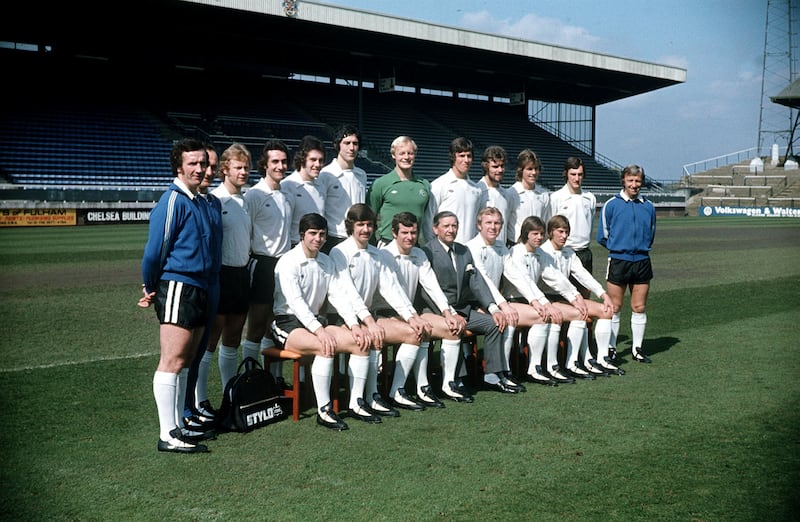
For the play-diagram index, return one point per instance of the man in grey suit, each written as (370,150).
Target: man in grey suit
(468,295)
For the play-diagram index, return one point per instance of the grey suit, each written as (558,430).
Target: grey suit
(466,291)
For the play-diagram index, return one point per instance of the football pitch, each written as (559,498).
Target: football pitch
(709,431)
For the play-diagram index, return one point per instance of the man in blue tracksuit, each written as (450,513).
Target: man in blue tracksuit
(176,269)
(627,228)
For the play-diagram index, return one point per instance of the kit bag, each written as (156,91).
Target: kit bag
(252,399)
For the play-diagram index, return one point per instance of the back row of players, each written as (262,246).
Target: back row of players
(291,245)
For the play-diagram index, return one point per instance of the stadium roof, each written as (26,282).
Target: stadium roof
(789,97)
(260,38)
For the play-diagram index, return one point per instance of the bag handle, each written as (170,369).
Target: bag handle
(248,363)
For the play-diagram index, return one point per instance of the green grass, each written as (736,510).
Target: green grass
(708,432)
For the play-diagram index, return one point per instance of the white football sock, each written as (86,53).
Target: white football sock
(375,358)
(612,341)
(602,335)
(404,360)
(165,391)
(451,351)
(180,395)
(508,343)
(228,361)
(553,339)
(321,373)
(359,368)
(537,341)
(638,324)
(575,334)
(251,349)
(201,387)
(421,366)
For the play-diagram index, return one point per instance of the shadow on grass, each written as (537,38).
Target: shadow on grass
(653,347)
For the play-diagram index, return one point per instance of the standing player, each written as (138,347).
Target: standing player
(578,206)
(176,268)
(527,196)
(270,211)
(399,190)
(345,184)
(303,185)
(493,163)
(455,192)
(234,279)
(627,228)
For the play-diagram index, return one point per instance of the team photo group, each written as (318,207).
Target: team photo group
(314,260)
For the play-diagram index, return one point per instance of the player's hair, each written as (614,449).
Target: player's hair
(402,140)
(524,158)
(460,144)
(530,224)
(307,144)
(407,219)
(312,221)
(485,211)
(343,132)
(493,153)
(358,212)
(269,146)
(633,169)
(181,146)
(236,151)
(557,221)
(572,162)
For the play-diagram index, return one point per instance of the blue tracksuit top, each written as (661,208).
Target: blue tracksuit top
(627,227)
(179,244)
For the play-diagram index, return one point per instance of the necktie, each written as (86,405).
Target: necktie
(453,258)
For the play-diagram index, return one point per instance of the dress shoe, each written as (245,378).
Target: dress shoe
(512,381)
(610,368)
(595,369)
(538,378)
(363,413)
(178,443)
(379,407)
(331,420)
(640,356)
(501,386)
(402,400)
(428,398)
(579,373)
(450,391)
(560,377)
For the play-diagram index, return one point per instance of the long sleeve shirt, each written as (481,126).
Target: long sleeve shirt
(179,243)
(567,262)
(414,270)
(302,284)
(370,275)
(627,227)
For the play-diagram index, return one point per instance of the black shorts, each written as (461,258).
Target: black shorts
(283,325)
(234,294)
(585,256)
(262,279)
(622,273)
(181,304)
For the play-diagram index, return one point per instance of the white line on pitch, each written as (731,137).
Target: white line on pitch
(76,363)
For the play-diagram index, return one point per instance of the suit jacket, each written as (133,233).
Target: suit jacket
(464,286)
